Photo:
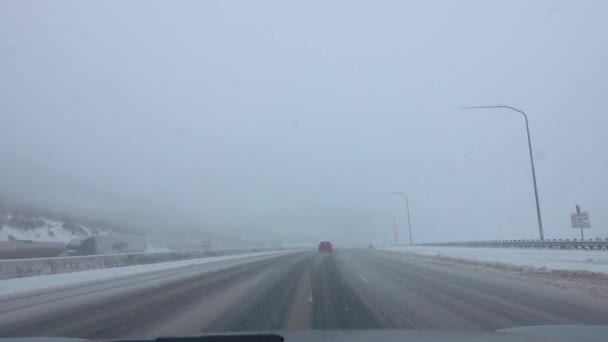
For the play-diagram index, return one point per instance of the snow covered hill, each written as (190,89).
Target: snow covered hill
(13,227)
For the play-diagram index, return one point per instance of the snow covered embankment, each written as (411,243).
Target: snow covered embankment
(31,267)
(544,259)
(14,227)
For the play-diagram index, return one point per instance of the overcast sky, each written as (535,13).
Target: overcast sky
(297,117)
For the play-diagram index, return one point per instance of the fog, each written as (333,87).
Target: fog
(294,119)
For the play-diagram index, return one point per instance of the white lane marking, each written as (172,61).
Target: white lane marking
(363,278)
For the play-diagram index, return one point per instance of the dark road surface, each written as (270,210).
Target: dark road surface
(349,289)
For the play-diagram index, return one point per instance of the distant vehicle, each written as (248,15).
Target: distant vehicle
(371,246)
(110,244)
(20,249)
(326,247)
(208,245)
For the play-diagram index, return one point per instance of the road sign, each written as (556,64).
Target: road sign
(580,220)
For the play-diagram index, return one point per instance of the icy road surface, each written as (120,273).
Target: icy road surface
(349,289)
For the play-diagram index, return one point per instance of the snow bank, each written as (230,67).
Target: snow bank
(18,268)
(551,259)
(49,231)
(19,285)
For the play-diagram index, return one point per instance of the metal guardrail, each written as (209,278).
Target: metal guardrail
(17,268)
(548,243)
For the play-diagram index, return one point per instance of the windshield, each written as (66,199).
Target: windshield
(173,168)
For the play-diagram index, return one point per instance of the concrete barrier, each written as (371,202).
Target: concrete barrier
(18,268)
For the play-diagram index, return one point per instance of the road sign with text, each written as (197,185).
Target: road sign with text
(580,220)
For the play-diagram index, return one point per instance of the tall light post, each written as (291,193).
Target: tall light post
(407,208)
(540,221)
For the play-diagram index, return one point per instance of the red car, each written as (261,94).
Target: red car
(325,247)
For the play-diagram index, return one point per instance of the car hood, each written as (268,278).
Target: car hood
(532,333)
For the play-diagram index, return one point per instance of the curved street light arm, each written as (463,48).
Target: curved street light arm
(538,215)
(407,208)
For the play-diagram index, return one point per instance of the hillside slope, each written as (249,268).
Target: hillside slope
(13,227)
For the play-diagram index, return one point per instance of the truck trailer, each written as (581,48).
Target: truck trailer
(106,244)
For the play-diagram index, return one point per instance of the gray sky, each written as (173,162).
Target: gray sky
(268,116)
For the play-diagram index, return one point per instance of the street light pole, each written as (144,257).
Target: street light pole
(407,208)
(540,221)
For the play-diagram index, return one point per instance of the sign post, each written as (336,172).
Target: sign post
(580,220)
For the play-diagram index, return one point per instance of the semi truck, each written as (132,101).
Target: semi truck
(107,244)
(22,249)
(208,245)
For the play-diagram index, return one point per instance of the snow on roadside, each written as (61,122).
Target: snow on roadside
(20,285)
(551,259)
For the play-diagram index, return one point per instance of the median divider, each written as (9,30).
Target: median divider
(17,268)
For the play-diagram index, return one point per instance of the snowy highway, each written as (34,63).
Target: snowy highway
(349,289)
